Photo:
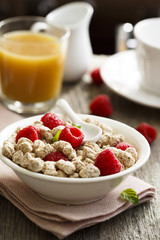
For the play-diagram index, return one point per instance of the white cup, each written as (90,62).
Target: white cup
(147,34)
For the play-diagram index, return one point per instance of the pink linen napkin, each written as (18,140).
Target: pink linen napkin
(63,220)
(7,117)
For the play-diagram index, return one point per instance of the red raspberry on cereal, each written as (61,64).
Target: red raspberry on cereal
(148,131)
(55,156)
(123,146)
(73,135)
(101,106)
(38,131)
(51,120)
(107,163)
(30,132)
(96,76)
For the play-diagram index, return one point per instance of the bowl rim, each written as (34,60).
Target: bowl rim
(21,170)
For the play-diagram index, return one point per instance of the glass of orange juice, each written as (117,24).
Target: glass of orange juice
(32,58)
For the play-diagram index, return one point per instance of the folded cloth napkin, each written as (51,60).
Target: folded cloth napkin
(62,220)
(7,117)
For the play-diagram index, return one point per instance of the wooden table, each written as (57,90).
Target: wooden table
(141,222)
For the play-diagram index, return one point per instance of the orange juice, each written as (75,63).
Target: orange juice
(31,66)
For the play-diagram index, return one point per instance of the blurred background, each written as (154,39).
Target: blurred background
(106,24)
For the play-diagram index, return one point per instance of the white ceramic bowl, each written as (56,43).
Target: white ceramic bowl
(82,190)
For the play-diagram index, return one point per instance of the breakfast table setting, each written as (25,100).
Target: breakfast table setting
(36,218)
(122,205)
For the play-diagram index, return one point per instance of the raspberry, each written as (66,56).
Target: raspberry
(148,131)
(30,132)
(38,131)
(107,163)
(72,135)
(101,106)
(51,120)
(96,76)
(55,156)
(123,146)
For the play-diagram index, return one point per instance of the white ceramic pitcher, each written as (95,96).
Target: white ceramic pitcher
(76,16)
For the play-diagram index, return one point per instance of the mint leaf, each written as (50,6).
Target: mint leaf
(56,136)
(130,195)
(76,126)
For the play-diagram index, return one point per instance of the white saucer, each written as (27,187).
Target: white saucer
(120,74)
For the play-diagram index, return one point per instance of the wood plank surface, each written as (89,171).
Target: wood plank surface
(141,222)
